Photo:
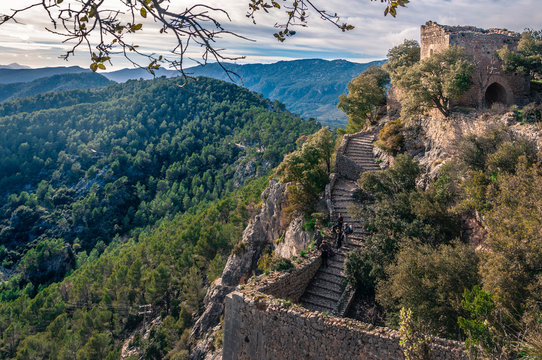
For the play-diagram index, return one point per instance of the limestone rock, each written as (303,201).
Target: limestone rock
(261,232)
(296,239)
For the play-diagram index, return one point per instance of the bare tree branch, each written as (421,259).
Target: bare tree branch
(106,32)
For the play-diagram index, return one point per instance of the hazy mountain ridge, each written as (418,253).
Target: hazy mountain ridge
(310,87)
(14,66)
(10,75)
(84,80)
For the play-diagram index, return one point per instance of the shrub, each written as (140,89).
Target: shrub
(309,225)
(430,281)
(240,248)
(268,262)
(358,269)
(390,138)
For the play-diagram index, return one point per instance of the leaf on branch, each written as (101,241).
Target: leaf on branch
(143,12)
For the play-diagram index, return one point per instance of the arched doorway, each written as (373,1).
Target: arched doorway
(496,93)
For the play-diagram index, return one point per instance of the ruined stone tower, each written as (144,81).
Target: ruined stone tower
(491,83)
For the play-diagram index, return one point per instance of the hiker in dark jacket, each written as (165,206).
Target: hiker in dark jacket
(326,250)
(339,237)
(317,239)
(340,221)
(347,231)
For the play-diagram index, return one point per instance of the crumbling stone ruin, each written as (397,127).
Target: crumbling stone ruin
(491,84)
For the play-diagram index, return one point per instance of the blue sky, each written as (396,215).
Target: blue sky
(29,44)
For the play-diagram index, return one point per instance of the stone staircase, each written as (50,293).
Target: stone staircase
(326,289)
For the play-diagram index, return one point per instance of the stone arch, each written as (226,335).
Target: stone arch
(496,93)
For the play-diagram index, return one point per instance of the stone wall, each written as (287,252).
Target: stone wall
(262,322)
(481,45)
(292,285)
(260,327)
(344,166)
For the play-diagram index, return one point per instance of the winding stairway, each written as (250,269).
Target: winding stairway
(327,288)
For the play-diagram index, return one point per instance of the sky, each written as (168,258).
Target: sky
(29,43)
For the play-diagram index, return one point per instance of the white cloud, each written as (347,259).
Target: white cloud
(373,36)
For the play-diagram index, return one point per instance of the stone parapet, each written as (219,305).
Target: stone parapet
(262,322)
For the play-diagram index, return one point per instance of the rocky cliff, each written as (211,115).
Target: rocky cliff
(262,232)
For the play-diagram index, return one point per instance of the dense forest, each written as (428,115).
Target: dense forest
(91,313)
(482,289)
(81,168)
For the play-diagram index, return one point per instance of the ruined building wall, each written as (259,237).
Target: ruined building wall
(481,45)
(260,325)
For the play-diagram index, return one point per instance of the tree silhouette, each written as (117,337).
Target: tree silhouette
(105,27)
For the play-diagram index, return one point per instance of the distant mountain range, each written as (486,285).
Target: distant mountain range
(84,80)
(14,66)
(10,75)
(310,87)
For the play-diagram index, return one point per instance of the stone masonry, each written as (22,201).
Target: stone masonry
(292,315)
(490,83)
(262,322)
(328,292)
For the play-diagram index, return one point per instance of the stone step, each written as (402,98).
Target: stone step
(320,283)
(327,278)
(360,157)
(315,307)
(360,141)
(349,189)
(367,149)
(335,263)
(326,275)
(333,272)
(331,296)
(363,161)
(343,200)
(318,300)
(341,192)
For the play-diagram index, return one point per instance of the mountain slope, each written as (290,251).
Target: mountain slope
(85,80)
(75,176)
(14,66)
(10,75)
(310,88)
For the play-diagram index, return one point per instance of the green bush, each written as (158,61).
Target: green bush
(268,262)
(430,281)
(309,225)
(390,138)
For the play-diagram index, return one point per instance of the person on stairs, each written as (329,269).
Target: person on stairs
(339,237)
(318,239)
(347,231)
(326,252)
(340,221)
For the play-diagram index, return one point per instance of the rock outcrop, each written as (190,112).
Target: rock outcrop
(441,138)
(262,232)
(294,240)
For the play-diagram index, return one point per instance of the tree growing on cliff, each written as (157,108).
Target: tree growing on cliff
(527,58)
(434,82)
(402,57)
(308,168)
(366,95)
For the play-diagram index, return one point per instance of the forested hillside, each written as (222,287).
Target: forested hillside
(309,87)
(84,80)
(96,309)
(81,168)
